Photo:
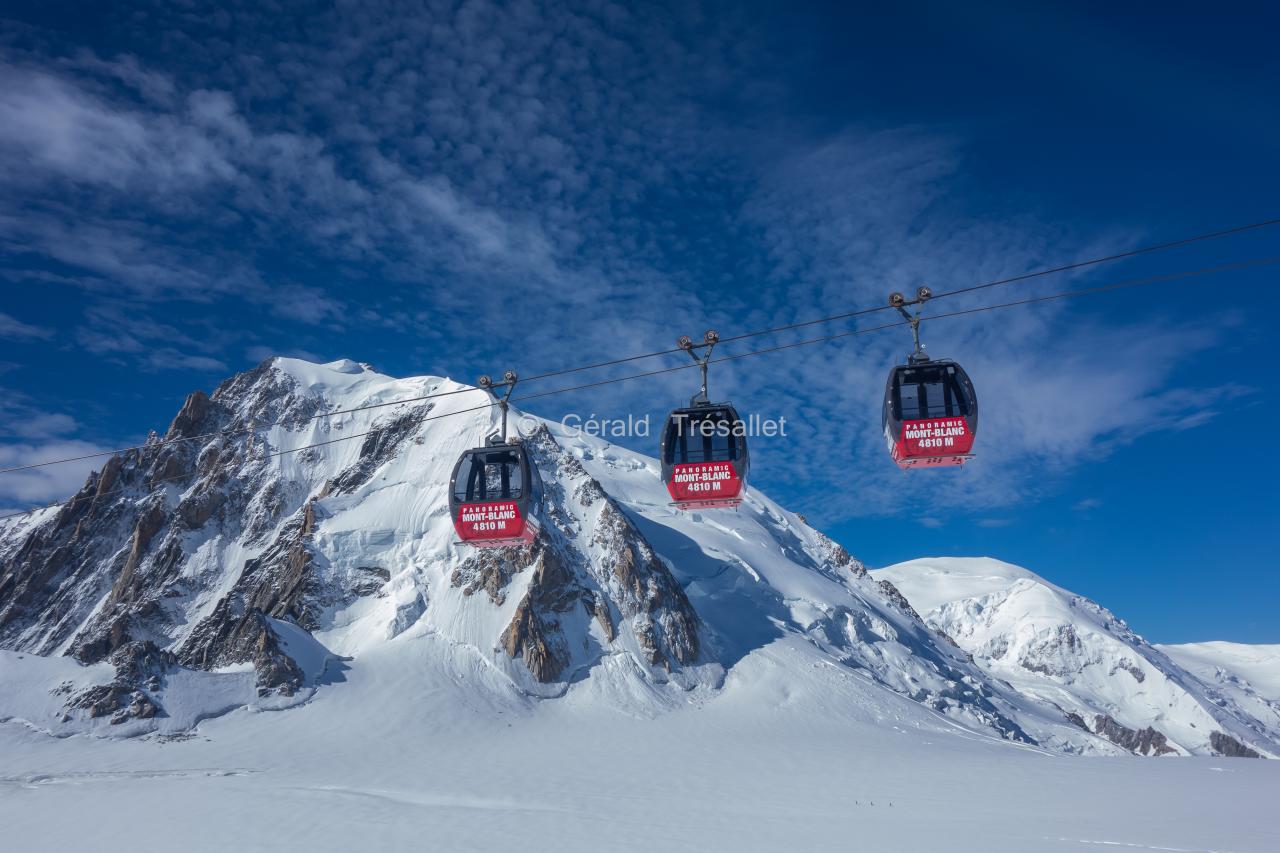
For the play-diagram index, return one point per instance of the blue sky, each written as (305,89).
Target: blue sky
(457,188)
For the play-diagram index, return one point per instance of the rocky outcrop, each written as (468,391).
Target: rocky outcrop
(143,663)
(1059,653)
(1226,745)
(644,590)
(149,523)
(140,671)
(1146,741)
(231,635)
(379,446)
(490,570)
(834,554)
(535,634)
(116,700)
(193,417)
(277,584)
(274,669)
(899,600)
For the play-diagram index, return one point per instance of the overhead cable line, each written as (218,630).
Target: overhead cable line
(1121,285)
(848,315)
(641,356)
(176,477)
(1212,235)
(1158,247)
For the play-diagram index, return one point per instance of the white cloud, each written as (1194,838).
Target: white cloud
(50,124)
(33,435)
(258,354)
(171,359)
(15,329)
(42,485)
(546,186)
(35,424)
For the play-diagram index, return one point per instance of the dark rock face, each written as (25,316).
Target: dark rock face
(491,570)
(275,584)
(379,445)
(1225,745)
(899,600)
(1132,668)
(369,581)
(644,590)
(834,554)
(193,416)
(117,547)
(1055,655)
(117,700)
(140,670)
(274,669)
(1146,741)
(535,634)
(140,662)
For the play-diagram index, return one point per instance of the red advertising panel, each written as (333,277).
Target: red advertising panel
(487,522)
(934,441)
(705,483)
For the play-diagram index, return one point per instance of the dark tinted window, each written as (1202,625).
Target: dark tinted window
(930,391)
(702,436)
(491,475)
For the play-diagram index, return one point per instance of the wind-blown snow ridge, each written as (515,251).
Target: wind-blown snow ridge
(192,578)
(1071,652)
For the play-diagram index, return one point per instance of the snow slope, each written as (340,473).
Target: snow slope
(1249,674)
(1259,665)
(1064,649)
(788,755)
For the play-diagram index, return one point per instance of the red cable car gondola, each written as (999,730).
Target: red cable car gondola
(704,447)
(930,408)
(495,490)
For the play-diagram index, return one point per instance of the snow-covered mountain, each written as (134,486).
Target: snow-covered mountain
(1049,643)
(211,572)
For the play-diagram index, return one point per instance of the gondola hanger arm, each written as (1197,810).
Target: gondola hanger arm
(900,302)
(509,380)
(709,341)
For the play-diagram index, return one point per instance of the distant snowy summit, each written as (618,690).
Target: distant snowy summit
(1068,651)
(293,526)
